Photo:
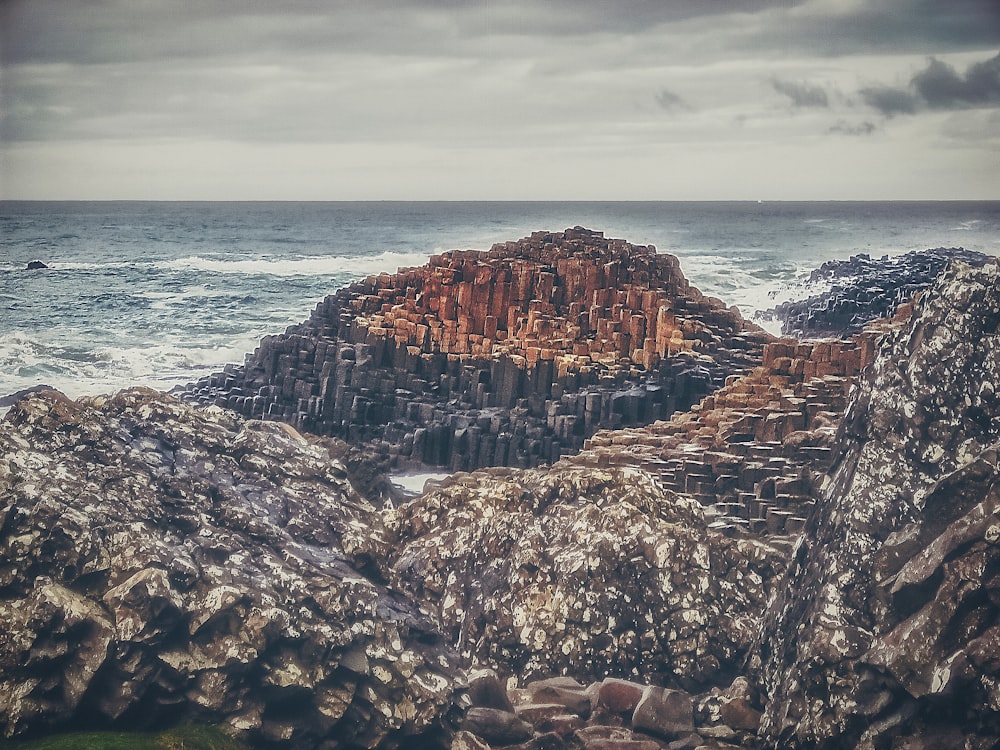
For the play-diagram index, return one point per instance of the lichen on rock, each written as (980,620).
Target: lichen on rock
(584,572)
(886,625)
(162,564)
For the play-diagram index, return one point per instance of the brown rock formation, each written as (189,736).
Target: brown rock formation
(507,357)
(755,450)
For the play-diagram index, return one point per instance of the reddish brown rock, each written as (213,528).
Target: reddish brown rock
(665,713)
(619,696)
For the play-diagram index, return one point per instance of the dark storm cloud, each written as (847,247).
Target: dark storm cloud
(940,86)
(801,94)
(101,31)
(878,27)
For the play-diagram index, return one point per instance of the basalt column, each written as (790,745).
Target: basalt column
(508,357)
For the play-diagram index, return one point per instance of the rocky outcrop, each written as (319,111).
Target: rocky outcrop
(863,289)
(755,452)
(583,572)
(510,357)
(160,564)
(886,630)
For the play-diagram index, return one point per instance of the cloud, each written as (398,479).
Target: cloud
(801,94)
(940,86)
(843,127)
(670,101)
(890,101)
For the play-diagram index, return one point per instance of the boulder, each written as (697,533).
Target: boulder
(160,565)
(884,629)
(581,571)
(665,713)
(496,726)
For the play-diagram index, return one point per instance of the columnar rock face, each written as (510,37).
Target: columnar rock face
(754,452)
(886,631)
(510,357)
(865,289)
(160,564)
(583,572)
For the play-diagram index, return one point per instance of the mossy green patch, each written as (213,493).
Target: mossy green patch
(188,737)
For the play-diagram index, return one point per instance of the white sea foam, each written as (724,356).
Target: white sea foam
(26,361)
(321,265)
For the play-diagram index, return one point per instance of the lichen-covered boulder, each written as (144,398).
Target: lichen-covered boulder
(585,572)
(886,631)
(160,564)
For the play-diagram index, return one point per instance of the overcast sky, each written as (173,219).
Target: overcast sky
(441,99)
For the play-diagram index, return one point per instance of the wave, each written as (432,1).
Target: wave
(27,361)
(322,265)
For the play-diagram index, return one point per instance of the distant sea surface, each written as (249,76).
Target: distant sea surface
(162,293)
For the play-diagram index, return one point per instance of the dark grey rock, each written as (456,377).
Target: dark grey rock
(582,571)
(885,628)
(160,564)
(497,727)
(865,289)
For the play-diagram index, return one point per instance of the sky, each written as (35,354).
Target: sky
(481,100)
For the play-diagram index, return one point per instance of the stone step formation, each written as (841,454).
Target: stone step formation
(755,451)
(511,357)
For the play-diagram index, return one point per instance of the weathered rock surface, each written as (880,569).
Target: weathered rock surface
(160,564)
(865,289)
(755,451)
(510,357)
(583,572)
(886,631)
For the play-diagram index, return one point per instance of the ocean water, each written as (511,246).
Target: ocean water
(159,294)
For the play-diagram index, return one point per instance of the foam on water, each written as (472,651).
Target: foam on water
(323,265)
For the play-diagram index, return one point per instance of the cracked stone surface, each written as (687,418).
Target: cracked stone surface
(161,564)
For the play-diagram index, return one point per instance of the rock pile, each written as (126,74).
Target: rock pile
(583,572)
(510,357)
(886,630)
(160,564)
(611,714)
(865,289)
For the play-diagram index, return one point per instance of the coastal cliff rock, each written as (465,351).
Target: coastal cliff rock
(864,289)
(886,630)
(160,564)
(510,357)
(583,572)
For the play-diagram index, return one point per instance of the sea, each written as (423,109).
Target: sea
(162,293)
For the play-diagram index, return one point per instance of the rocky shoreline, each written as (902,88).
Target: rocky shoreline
(738,541)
